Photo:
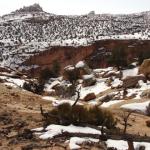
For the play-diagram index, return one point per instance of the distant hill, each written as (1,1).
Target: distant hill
(30,30)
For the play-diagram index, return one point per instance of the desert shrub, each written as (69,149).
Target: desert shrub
(148,123)
(47,73)
(148,110)
(65,114)
(79,115)
(33,87)
(72,76)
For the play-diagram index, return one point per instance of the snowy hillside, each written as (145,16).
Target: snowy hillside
(29,30)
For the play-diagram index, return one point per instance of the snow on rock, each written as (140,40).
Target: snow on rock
(122,145)
(103,70)
(48,87)
(140,107)
(80,64)
(117,83)
(100,86)
(130,72)
(110,103)
(74,142)
(138,91)
(12,81)
(53,130)
(86,77)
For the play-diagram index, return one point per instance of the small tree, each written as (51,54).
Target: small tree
(125,123)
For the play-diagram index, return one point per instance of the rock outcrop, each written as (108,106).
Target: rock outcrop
(145,68)
(89,80)
(132,81)
(89,97)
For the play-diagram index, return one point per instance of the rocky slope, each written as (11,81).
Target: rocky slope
(30,30)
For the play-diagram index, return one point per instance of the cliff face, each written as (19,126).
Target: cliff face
(64,55)
(96,54)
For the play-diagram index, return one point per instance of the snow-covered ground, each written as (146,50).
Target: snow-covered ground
(122,145)
(138,91)
(53,130)
(99,87)
(13,82)
(110,103)
(75,142)
(130,72)
(141,107)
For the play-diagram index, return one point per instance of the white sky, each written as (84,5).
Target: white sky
(72,7)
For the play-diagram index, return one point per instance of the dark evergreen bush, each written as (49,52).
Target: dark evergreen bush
(65,114)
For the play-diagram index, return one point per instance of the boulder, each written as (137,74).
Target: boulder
(65,90)
(117,74)
(106,98)
(132,81)
(89,80)
(83,68)
(70,73)
(89,97)
(2,80)
(76,72)
(145,94)
(145,68)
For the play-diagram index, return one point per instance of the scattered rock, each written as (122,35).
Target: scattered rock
(26,134)
(145,94)
(132,81)
(148,123)
(30,147)
(5,118)
(117,74)
(77,71)
(89,97)
(13,142)
(142,147)
(106,98)
(20,124)
(145,68)
(89,80)
(12,134)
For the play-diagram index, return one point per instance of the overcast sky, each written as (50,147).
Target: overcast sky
(72,7)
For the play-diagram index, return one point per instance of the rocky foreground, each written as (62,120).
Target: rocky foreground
(119,91)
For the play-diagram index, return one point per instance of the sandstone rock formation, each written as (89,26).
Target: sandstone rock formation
(145,68)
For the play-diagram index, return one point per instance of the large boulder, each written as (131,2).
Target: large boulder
(83,68)
(64,90)
(132,81)
(89,80)
(89,97)
(145,94)
(76,72)
(145,68)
